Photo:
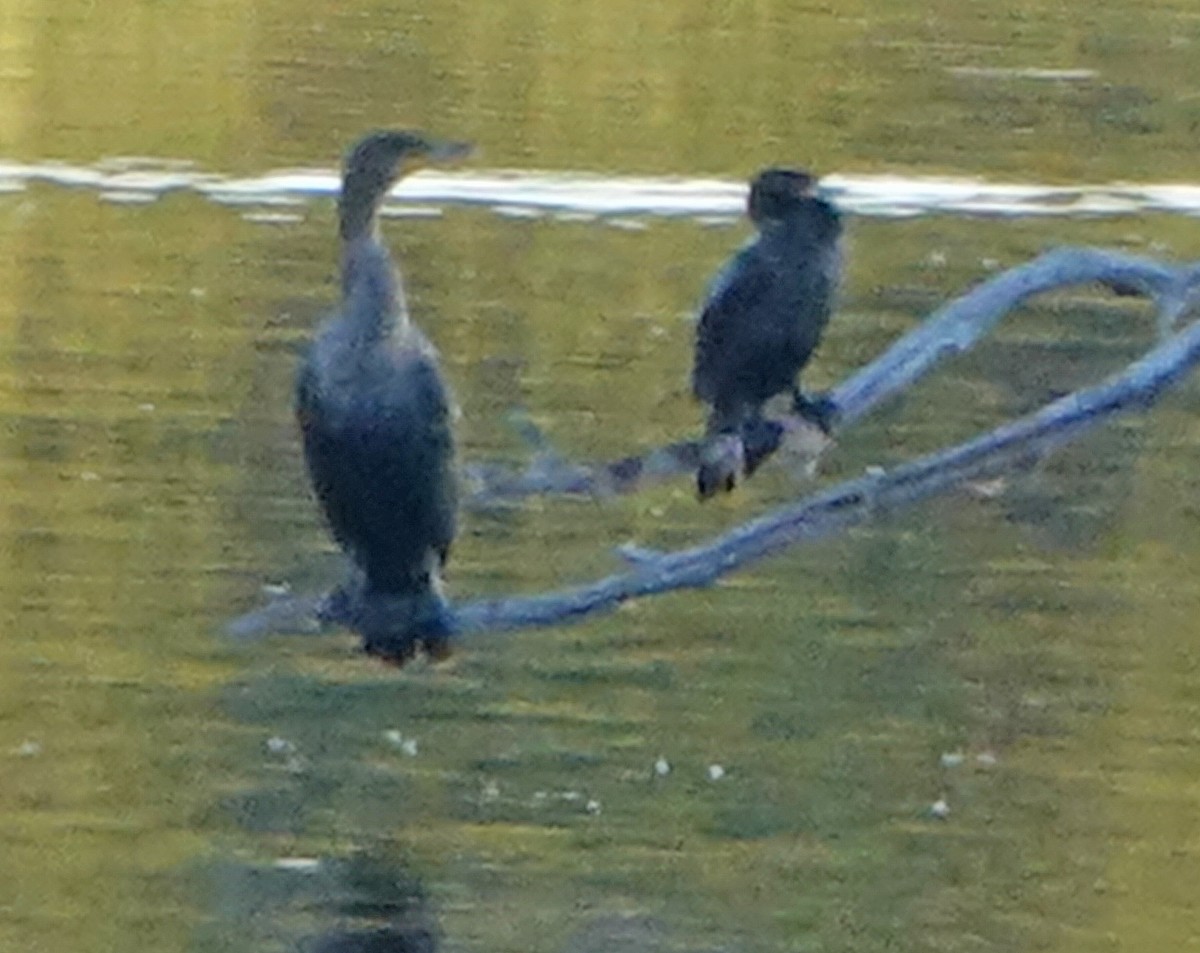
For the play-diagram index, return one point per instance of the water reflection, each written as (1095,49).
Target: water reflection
(366,900)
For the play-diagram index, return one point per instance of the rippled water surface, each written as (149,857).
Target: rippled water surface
(968,727)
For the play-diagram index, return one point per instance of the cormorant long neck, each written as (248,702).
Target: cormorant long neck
(372,296)
(363,191)
(814,225)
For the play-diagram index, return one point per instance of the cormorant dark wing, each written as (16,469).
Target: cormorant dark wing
(765,314)
(381,458)
(742,284)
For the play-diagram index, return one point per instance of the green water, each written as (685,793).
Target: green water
(150,483)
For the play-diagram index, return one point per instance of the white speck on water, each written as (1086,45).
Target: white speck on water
(575,216)
(280,746)
(662,767)
(939,809)
(715,772)
(517,211)
(272,218)
(131,197)
(301,865)
(952,759)
(409,211)
(1024,72)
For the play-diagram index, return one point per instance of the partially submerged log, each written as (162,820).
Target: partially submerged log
(950,331)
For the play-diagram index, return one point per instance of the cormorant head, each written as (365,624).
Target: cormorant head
(776,194)
(377,161)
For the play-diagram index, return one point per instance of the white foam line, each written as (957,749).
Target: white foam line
(527,193)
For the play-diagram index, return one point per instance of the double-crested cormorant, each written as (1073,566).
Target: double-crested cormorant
(765,313)
(376,417)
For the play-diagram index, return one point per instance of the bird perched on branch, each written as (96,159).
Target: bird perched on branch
(762,319)
(375,416)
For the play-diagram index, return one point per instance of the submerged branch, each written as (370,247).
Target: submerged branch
(853,502)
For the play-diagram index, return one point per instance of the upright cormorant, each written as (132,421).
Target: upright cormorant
(376,417)
(765,313)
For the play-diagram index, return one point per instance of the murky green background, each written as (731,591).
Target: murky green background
(151,775)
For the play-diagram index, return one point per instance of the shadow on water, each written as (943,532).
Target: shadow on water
(366,901)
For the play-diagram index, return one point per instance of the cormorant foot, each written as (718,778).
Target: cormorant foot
(395,627)
(722,461)
(760,439)
(713,479)
(818,409)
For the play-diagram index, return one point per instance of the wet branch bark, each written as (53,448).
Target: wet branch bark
(951,330)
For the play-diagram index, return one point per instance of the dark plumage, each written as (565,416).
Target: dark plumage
(376,417)
(764,315)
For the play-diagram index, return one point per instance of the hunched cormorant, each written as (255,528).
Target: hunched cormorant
(375,417)
(764,315)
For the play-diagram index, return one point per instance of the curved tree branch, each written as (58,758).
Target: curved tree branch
(1010,446)
(951,330)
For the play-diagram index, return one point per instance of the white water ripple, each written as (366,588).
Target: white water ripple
(614,199)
